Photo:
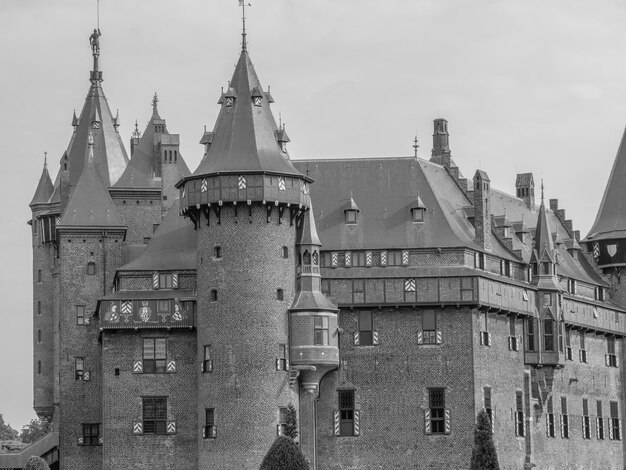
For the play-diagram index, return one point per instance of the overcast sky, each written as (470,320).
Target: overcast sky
(526,85)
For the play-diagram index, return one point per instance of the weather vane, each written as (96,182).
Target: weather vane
(415,145)
(242,4)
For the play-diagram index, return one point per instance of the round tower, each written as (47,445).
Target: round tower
(245,200)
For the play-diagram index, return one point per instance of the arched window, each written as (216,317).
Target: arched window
(307,258)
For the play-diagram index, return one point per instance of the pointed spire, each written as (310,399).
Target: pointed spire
(611,218)
(116,120)
(415,145)
(242,4)
(155,109)
(543,235)
(136,133)
(74,121)
(45,188)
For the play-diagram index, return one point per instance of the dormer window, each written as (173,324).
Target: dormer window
(351,216)
(229,101)
(257,97)
(257,101)
(505,232)
(417,214)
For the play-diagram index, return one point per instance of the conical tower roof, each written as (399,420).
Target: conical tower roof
(110,158)
(611,218)
(309,231)
(245,133)
(543,237)
(90,204)
(45,188)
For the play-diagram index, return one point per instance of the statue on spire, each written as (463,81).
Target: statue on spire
(94,41)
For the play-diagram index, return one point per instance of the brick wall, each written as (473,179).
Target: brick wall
(122,402)
(244,328)
(138,214)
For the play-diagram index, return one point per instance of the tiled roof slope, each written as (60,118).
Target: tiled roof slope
(244,136)
(45,188)
(173,245)
(611,218)
(90,204)
(385,189)
(110,154)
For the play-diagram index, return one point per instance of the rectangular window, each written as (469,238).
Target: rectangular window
(488,406)
(583,351)
(394,258)
(91,434)
(282,420)
(599,420)
(564,419)
(154,415)
(550,427)
(437,405)
(568,344)
(154,355)
(586,421)
(80,314)
(325,259)
(429,326)
(571,286)
(485,337)
(519,414)
(530,333)
(39,307)
(358,286)
(209,423)
(326,287)
(39,276)
(165,280)
(281,363)
(547,299)
(615,430)
(513,340)
(611,357)
(346,412)
(79,368)
(91,268)
(320,330)
(163,306)
(365,328)
(548,335)
(207,361)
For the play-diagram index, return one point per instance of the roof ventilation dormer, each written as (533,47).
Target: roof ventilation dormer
(228,98)
(268,95)
(282,138)
(75,121)
(351,211)
(257,97)
(418,211)
(97,120)
(207,139)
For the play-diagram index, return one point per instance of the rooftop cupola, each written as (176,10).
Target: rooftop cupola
(45,188)
(418,210)
(282,138)
(351,211)
(543,258)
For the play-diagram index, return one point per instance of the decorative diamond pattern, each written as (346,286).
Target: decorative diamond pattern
(383,258)
(138,427)
(357,423)
(171,427)
(596,251)
(336,422)
(242,183)
(368,258)
(405,258)
(137,367)
(155,280)
(281,183)
(203,185)
(175,280)
(171,366)
(348,259)
(127,306)
(333,259)
(409,285)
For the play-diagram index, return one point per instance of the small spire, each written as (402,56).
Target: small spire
(542,190)
(136,132)
(415,145)
(116,120)
(155,100)
(94,42)
(45,160)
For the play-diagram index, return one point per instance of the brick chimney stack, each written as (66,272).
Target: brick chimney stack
(482,209)
(525,189)
(441,148)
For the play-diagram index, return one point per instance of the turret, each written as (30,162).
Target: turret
(525,189)
(482,210)
(245,201)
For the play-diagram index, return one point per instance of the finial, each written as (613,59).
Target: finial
(155,100)
(136,133)
(280,120)
(45,160)
(542,190)
(94,41)
(242,4)
(415,145)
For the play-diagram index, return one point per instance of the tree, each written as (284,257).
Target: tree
(284,454)
(36,463)
(7,433)
(34,431)
(291,422)
(484,455)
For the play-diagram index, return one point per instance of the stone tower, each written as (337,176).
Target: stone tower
(245,200)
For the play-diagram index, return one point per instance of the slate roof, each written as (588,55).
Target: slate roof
(110,154)
(90,205)
(140,171)
(244,136)
(611,218)
(172,246)
(45,188)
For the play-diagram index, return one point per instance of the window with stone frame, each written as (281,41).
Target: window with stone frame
(91,434)
(394,258)
(488,406)
(366,327)
(207,361)
(615,424)
(325,286)
(80,314)
(320,330)
(154,415)
(513,339)
(599,421)
(154,355)
(583,351)
(548,334)
(437,406)
(429,326)
(346,412)
(565,434)
(611,357)
(165,280)
(281,360)
(550,422)
(209,423)
(568,344)
(282,420)
(520,425)
(91,268)
(531,333)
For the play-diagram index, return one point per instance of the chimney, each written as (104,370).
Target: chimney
(482,209)
(441,149)
(577,235)
(554,205)
(525,189)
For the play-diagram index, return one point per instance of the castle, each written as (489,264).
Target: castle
(177,314)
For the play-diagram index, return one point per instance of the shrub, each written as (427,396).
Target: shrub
(284,454)
(291,422)
(36,463)
(484,455)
